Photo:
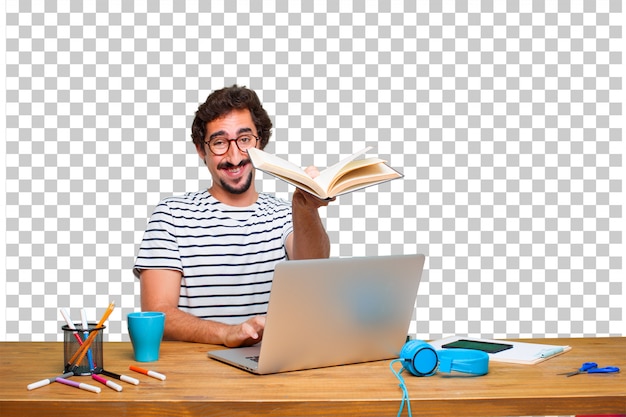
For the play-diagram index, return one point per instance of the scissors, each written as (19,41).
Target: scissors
(592,368)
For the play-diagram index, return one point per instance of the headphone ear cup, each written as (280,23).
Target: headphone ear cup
(419,358)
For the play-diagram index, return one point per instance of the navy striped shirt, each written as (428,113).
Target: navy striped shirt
(226,254)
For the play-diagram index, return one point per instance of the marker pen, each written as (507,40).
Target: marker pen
(80,385)
(47,381)
(83,317)
(70,324)
(153,374)
(124,378)
(106,382)
(546,353)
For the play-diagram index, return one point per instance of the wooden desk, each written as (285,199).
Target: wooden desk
(197,385)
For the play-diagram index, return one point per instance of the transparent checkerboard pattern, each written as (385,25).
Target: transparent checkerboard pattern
(504,118)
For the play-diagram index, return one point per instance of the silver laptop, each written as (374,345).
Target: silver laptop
(336,311)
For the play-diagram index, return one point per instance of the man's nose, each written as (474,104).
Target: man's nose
(234,155)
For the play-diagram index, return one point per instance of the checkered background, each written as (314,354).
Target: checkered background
(505,118)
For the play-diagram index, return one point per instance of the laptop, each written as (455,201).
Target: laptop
(336,311)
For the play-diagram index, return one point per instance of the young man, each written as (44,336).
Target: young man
(207,258)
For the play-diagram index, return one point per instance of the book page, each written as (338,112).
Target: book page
(309,187)
(369,173)
(347,175)
(263,159)
(354,169)
(284,170)
(328,175)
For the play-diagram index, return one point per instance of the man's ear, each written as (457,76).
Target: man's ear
(201,153)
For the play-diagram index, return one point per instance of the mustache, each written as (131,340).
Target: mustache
(228,165)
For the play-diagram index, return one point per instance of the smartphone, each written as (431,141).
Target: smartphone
(489,347)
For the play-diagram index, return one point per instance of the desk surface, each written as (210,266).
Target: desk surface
(197,385)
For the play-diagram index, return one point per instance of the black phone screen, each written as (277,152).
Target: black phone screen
(488,347)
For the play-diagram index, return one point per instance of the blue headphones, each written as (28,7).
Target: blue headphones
(421,359)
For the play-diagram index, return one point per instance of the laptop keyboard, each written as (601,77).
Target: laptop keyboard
(253,358)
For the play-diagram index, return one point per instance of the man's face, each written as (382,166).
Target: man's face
(232,172)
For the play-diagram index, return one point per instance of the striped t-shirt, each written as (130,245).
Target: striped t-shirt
(226,254)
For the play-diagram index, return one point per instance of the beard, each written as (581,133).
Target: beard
(242,186)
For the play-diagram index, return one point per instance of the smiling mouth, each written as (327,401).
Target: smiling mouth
(234,169)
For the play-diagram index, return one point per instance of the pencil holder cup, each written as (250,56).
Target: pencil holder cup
(92,359)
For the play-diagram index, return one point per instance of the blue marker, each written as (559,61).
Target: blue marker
(83,316)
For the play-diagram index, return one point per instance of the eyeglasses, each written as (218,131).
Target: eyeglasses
(219,145)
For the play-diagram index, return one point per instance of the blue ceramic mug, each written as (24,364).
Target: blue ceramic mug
(145,329)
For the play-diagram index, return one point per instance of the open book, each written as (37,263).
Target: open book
(347,175)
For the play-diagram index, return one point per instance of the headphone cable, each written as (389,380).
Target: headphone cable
(405,392)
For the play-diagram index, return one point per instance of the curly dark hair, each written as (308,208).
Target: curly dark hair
(221,102)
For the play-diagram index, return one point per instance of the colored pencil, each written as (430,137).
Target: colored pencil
(82,351)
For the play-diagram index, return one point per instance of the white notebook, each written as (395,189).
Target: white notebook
(521,352)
